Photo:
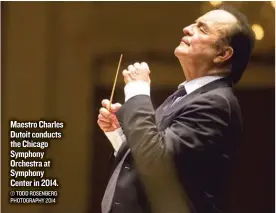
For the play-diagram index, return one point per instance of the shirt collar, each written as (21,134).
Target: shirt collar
(195,84)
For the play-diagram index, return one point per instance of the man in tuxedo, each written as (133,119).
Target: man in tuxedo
(177,158)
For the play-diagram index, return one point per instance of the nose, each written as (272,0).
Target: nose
(188,30)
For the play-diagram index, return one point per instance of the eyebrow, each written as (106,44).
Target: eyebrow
(202,23)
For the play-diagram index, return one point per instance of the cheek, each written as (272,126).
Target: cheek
(200,44)
(203,44)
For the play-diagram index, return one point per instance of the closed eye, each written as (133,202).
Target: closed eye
(202,26)
(202,29)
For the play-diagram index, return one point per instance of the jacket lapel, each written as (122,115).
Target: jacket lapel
(161,109)
(122,150)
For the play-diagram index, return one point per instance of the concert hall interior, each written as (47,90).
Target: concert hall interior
(59,60)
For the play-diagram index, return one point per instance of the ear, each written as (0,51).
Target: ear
(223,55)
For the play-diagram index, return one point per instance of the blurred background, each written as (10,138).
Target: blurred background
(59,61)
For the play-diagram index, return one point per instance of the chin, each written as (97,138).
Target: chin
(180,51)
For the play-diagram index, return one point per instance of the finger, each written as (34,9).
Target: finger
(127,77)
(131,68)
(135,69)
(105,113)
(115,107)
(105,103)
(103,123)
(125,72)
(104,126)
(145,66)
(114,126)
(116,123)
(137,66)
(104,119)
(111,119)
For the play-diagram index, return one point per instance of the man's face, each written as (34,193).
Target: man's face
(199,43)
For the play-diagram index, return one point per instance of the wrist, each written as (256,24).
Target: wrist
(134,88)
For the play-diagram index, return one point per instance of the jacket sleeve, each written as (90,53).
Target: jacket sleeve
(198,127)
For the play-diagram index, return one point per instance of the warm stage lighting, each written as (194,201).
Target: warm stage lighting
(215,3)
(272,3)
(259,31)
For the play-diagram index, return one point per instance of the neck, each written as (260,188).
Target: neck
(193,72)
(222,71)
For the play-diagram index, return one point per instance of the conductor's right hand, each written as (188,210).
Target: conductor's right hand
(107,119)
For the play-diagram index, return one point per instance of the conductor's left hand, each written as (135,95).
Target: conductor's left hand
(137,72)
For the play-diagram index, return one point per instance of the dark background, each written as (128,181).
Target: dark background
(59,61)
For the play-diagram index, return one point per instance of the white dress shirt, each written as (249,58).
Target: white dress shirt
(134,88)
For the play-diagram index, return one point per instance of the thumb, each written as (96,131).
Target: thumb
(115,107)
(127,77)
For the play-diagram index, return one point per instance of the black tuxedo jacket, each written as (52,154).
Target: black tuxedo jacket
(180,154)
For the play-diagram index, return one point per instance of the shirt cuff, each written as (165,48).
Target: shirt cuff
(116,138)
(136,88)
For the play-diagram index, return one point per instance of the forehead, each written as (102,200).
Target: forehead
(218,17)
